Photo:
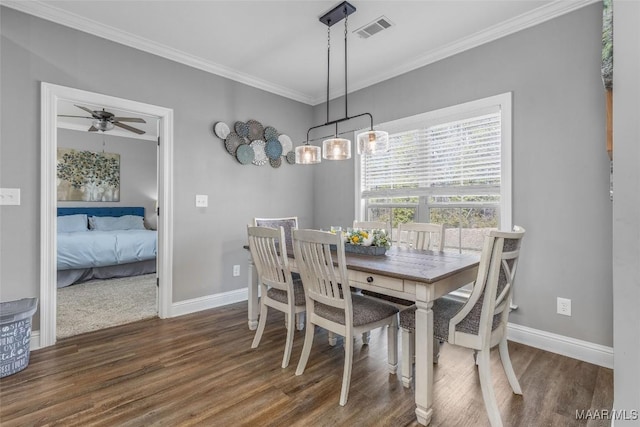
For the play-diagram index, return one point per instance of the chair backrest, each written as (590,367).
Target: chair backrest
(288,223)
(271,263)
(370,225)
(324,274)
(486,313)
(421,235)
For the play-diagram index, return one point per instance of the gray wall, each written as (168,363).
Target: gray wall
(626,208)
(560,165)
(138,168)
(207,241)
(559,161)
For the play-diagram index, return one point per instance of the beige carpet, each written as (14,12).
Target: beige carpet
(99,304)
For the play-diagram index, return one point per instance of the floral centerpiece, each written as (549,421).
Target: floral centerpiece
(370,242)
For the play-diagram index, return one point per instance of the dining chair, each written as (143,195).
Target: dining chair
(414,235)
(421,235)
(332,306)
(278,288)
(370,225)
(288,223)
(480,322)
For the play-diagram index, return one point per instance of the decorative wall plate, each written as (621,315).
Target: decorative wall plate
(270,132)
(232,143)
(256,130)
(260,157)
(287,144)
(275,163)
(245,154)
(242,129)
(221,130)
(273,148)
(291,157)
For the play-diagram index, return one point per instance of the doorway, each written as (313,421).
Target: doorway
(51,96)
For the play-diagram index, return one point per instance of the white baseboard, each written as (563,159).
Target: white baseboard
(577,349)
(582,350)
(209,301)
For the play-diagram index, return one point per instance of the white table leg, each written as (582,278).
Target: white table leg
(253,306)
(424,360)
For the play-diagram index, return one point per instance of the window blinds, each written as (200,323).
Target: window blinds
(456,157)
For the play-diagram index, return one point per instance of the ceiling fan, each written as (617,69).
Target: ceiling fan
(104,120)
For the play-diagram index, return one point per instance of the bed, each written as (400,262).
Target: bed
(103,243)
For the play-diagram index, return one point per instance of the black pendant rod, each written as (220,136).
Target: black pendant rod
(344,119)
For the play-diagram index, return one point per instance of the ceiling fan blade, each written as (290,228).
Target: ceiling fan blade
(86,109)
(93,129)
(129,128)
(129,119)
(80,117)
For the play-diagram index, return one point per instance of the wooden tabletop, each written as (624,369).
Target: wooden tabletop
(413,264)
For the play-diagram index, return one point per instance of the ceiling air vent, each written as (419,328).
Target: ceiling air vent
(374,27)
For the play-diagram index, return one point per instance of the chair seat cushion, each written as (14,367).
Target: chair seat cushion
(281,296)
(365,310)
(389,298)
(443,311)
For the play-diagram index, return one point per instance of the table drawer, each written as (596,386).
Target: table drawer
(376,280)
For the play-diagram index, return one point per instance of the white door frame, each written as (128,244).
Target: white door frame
(50,95)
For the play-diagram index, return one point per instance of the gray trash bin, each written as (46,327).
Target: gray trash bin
(15,334)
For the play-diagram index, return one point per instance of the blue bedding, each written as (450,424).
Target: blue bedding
(87,249)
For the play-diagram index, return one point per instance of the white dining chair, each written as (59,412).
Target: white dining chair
(370,225)
(288,223)
(479,323)
(421,235)
(331,304)
(278,288)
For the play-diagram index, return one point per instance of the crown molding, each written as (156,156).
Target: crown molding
(537,16)
(510,26)
(51,13)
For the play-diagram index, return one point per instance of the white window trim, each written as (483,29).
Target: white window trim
(503,102)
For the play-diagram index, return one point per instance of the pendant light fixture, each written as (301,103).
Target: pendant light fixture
(335,147)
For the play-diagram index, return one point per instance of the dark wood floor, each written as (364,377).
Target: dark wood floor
(200,370)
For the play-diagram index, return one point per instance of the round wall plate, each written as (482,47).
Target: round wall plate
(245,154)
(287,144)
(260,157)
(221,130)
(270,132)
(273,148)
(275,163)
(256,130)
(232,143)
(242,129)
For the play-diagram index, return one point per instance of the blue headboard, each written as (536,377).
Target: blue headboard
(108,211)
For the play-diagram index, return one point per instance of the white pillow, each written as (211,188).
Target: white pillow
(110,223)
(72,223)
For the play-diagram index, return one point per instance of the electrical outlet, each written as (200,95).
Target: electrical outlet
(202,200)
(236,270)
(564,306)
(9,196)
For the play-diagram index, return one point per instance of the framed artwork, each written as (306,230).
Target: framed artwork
(88,176)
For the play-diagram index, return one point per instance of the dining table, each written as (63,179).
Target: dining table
(417,275)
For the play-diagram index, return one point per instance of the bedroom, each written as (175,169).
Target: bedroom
(107,222)
(559,162)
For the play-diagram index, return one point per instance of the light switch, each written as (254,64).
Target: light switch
(9,196)
(202,200)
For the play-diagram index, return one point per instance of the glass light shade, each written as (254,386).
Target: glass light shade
(336,149)
(103,125)
(373,141)
(307,154)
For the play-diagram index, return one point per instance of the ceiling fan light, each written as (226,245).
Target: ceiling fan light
(307,154)
(103,125)
(336,149)
(372,142)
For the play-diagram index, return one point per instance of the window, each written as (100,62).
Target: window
(450,166)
